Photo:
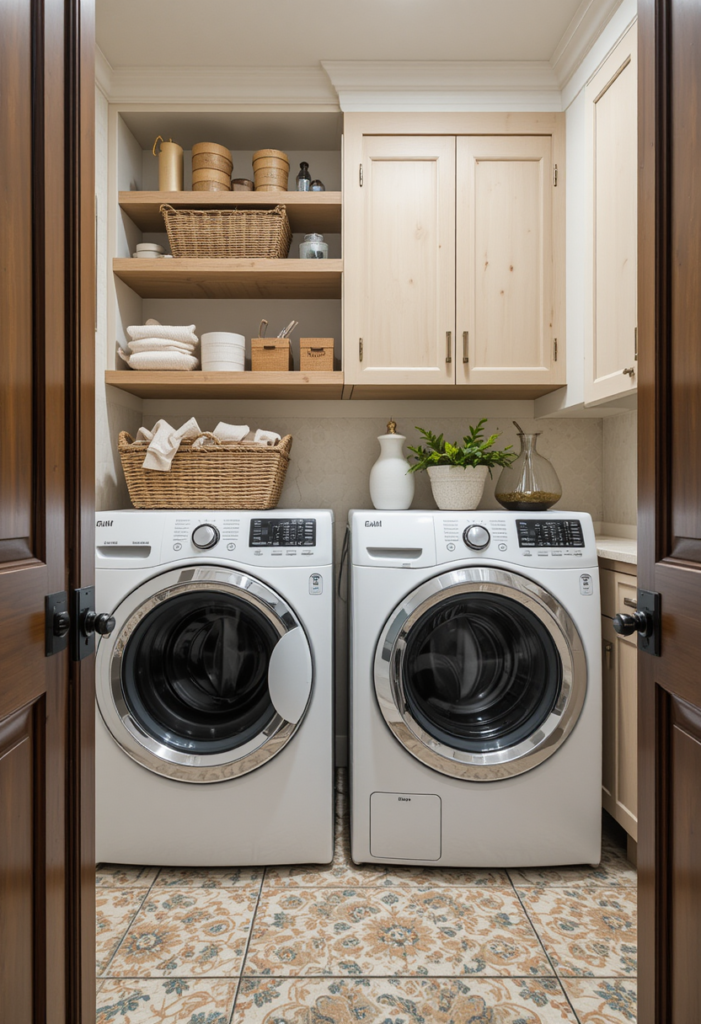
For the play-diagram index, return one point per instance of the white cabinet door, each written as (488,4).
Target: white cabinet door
(612,130)
(399,257)
(508,320)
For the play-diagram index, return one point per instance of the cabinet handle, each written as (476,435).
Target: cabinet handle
(448,346)
(465,340)
(360,349)
(630,602)
(636,343)
(629,371)
(608,651)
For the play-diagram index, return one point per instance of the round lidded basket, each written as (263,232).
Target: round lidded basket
(212,148)
(207,174)
(271,170)
(210,186)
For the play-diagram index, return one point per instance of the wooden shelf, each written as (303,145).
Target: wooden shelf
(307,211)
(247,384)
(231,279)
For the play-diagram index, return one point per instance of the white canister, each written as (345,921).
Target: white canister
(391,483)
(222,350)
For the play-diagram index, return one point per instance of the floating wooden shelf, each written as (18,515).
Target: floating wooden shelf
(248,384)
(231,279)
(307,211)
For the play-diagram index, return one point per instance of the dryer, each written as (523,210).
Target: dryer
(475,687)
(214,741)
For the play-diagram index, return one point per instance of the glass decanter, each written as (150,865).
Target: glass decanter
(529,484)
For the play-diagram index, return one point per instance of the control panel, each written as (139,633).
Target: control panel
(549,533)
(282,533)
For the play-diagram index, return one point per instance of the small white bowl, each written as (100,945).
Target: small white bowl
(148,254)
(149,247)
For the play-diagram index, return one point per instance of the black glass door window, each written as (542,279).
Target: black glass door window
(195,672)
(480,672)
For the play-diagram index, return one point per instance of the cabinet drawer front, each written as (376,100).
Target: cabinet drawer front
(400,258)
(505,259)
(617,588)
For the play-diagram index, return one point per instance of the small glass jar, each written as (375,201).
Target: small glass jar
(317,186)
(313,248)
(530,483)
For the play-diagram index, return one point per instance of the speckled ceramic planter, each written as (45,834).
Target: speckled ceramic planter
(457,487)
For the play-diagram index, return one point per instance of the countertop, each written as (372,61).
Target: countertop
(620,549)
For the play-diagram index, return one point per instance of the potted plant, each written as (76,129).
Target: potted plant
(458,472)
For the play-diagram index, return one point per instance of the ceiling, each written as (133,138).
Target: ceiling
(290,33)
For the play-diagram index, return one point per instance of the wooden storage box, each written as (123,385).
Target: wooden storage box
(316,353)
(271,354)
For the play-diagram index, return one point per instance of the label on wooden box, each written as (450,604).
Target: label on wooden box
(316,354)
(271,354)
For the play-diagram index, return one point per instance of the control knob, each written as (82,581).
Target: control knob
(205,536)
(476,537)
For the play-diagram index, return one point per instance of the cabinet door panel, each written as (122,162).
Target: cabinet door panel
(613,141)
(505,260)
(400,259)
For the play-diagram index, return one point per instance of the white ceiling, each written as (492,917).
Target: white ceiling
(300,33)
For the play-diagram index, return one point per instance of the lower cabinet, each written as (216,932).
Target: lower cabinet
(620,699)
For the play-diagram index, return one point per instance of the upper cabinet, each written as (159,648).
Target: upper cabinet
(454,253)
(399,290)
(611,349)
(506,275)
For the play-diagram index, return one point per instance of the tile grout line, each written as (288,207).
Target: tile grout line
(542,945)
(248,944)
(126,930)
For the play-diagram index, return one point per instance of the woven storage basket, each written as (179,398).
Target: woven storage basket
(241,233)
(236,476)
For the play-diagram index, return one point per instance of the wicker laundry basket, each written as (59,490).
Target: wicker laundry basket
(235,233)
(244,475)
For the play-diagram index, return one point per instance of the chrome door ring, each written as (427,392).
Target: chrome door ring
(491,765)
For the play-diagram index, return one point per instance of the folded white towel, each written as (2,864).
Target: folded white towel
(225,433)
(266,437)
(165,442)
(162,345)
(161,331)
(160,360)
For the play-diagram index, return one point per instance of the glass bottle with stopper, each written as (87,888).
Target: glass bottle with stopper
(530,483)
(304,178)
(391,483)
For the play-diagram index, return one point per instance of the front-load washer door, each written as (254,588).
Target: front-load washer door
(206,676)
(480,674)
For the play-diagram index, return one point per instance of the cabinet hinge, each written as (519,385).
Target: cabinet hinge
(555,176)
(555,350)
(360,349)
(360,175)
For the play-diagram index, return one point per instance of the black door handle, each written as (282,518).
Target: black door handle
(102,623)
(639,622)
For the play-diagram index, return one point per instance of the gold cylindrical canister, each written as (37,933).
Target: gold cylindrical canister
(170,165)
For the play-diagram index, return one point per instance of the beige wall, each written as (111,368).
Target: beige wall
(620,469)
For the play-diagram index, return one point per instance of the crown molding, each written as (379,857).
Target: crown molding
(251,86)
(444,85)
(587,24)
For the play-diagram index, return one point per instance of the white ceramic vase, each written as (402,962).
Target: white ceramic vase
(457,488)
(391,483)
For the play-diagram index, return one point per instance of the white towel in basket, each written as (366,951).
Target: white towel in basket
(165,442)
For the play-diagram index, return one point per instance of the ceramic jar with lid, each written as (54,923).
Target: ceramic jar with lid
(313,248)
(391,483)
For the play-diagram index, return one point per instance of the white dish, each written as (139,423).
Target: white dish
(147,254)
(227,366)
(149,247)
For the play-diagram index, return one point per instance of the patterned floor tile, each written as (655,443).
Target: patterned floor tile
(401,1001)
(209,878)
(187,933)
(400,931)
(166,1001)
(603,1001)
(614,870)
(343,872)
(115,910)
(124,876)
(586,931)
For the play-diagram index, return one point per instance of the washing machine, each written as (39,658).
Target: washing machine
(475,680)
(214,741)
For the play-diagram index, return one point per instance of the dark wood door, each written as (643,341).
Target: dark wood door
(669,853)
(46,233)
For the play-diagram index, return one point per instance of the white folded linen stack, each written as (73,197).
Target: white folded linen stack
(156,346)
(165,440)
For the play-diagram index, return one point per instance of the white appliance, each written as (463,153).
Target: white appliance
(475,688)
(215,702)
